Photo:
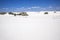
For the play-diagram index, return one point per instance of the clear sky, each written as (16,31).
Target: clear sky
(29,5)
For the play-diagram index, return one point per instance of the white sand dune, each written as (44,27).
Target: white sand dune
(36,26)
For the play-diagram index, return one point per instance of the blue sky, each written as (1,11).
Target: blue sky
(29,5)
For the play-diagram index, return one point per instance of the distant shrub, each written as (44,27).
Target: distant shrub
(10,13)
(54,11)
(15,14)
(2,13)
(23,14)
(46,13)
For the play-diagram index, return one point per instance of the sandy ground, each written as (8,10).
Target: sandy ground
(32,27)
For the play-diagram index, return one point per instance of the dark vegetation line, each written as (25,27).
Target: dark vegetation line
(11,13)
(2,13)
(19,14)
